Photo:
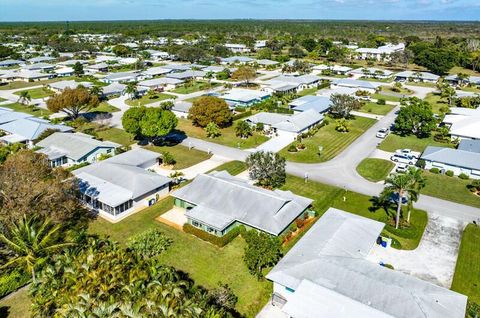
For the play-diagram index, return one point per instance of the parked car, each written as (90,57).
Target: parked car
(383,133)
(402,158)
(407,152)
(401,167)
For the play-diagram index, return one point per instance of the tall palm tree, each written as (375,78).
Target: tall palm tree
(402,185)
(32,241)
(131,90)
(24,98)
(418,183)
(96,90)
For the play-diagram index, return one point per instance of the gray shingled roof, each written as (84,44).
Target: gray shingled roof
(221,199)
(73,145)
(453,157)
(300,121)
(332,255)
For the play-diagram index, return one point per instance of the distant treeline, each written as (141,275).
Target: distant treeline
(353,30)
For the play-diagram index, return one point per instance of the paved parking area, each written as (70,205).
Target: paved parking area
(276,143)
(175,217)
(435,258)
(270,311)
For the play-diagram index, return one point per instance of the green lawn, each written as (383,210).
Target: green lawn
(40,92)
(377,80)
(2,99)
(376,109)
(386,97)
(104,107)
(394,142)
(228,137)
(17,305)
(146,99)
(450,188)
(194,87)
(308,91)
(436,101)
(391,89)
(204,262)
(458,69)
(326,196)
(183,156)
(233,167)
(374,169)
(466,279)
(117,135)
(332,141)
(422,84)
(32,110)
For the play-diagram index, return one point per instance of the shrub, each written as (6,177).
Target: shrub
(78,166)
(242,115)
(421,163)
(167,158)
(463,176)
(435,170)
(292,148)
(215,240)
(449,173)
(10,281)
(300,146)
(381,101)
(149,243)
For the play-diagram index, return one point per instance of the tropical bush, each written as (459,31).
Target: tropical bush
(167,158)
(463,176)
(292,148)
(150,243)
(449,173)
(219,241)
(435,170)
(12,280)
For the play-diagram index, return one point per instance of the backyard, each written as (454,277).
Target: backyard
(467,271)
(394,142)
(39,92)
(375,170)
(148,99)
(183,156)
(227,138)
(195,86)
(332,141)
(376,109)
(437,102)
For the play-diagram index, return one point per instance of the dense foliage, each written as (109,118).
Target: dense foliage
(150,122)
(150,243)
(268,168)
(262,251)
(416,117)
(207,109)
(73,101)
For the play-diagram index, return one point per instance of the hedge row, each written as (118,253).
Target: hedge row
(216,240)
(11,281)
(242,115)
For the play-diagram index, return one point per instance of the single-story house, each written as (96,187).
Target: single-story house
(287,125)
(64,71)
(181,109)
(72,62)
(161,83)
(96,68)
(68,149)
(158,55)
(381,53)
(41,59)
(9,63)
(335,69)
(372,72)
(260,44)
(25,75)
(177,67)
(155,71)
(113,89)
(218,202)
(217,69)
(122,77)
(469,145)
(464,126)
(44,67)
(456,160)
(7,115)
(27,130)
(237,48)
(320,104)
(237,59)
(187,75)
(416,77)
(244,97)
(62,85)
(455,80)
(337,90)
(122,185)
(327,274)
(370,87)
(266,62)
(289,84)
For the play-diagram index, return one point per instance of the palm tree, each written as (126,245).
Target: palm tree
(97,91)
(131,90)
(419,183)
(32,241)
(448,92)
(402,185)
(24,98)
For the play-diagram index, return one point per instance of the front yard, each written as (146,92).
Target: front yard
(35,93)
(195,86)
(117,135)
(227,138)
(394,142)
(375,170)
(148,99)
(332,141)
(377,109)
(437,102)
(32,110)
(183,156)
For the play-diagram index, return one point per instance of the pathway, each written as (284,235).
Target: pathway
(191,172)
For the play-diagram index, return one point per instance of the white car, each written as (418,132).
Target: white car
(383,133)
(407,152)
(402,158)
(401,167)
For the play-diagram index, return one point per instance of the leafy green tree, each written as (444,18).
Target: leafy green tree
(342,105)
(131,90)
(296,52)
(24,97)
(191,54)
(207,109)
(415,118)
(7,150)
(157,122)
(265,54)
(448,92)
(73,101)
(121,50)
(78,69)
(262,251)
(32,240)
(168,159)
(96,91)
(131,119)
(150,243)
(5,51)
(337,54)
(309,44)
(212,130)
(243,129)
(268,168)
(245,74)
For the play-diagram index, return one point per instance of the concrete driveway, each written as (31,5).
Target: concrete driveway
(434,259)
(275,144)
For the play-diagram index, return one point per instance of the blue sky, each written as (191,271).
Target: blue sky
(62,10)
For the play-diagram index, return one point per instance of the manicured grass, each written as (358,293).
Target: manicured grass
(32,110)
(421,84)
(40,92)
(326,196)
(2,99)
(374,169)
(183,156)
(466,279)
(390,89)
(308,91)
(104,107)
(436,101)
(376,109)
(332,141)
(458,69)
(228,137)
(117,135)
(195,87)
(379,80)
(450,188)
(394,142)
(17,305)
(233,167)
(204,262)
(145,99)
(386,97)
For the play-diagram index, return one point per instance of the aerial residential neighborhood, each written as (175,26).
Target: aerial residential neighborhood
(234,159)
